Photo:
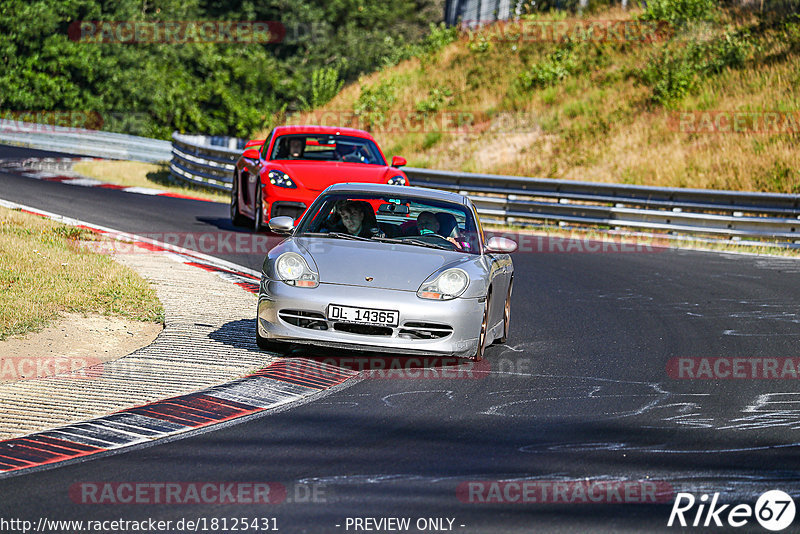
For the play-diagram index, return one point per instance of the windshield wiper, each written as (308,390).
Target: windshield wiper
(340,235)
(411,241)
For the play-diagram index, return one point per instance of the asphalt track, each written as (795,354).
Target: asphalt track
(581,391)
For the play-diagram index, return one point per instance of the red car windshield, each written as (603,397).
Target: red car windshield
(309,147)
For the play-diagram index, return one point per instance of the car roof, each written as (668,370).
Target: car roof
(423,192)
(322,130)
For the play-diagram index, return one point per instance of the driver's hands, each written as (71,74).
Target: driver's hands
(453,241)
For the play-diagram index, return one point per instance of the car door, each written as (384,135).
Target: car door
(249,186)
(499,272)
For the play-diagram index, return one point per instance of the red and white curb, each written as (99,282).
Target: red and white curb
(60,170)
(282,382)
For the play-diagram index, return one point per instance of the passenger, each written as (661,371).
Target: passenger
(358,218)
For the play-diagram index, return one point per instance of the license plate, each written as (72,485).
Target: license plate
(352,314)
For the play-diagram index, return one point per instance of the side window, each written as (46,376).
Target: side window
(478,227)
(265,146)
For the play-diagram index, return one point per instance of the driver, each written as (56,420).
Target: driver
(297,145)
(428,224)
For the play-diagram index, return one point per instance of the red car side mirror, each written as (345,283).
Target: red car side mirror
(398,161)
(251,153)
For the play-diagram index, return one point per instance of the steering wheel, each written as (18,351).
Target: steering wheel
(436,239)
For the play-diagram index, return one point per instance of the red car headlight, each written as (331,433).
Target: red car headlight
(281,179)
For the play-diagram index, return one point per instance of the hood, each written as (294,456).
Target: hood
(391,266)
(317,175)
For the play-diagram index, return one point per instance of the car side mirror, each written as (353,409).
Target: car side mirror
(501,245)
(281,225)
(251,153)
(398,161)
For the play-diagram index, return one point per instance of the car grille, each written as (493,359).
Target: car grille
(409,330)
(304,319)
(365,329)
(425,330)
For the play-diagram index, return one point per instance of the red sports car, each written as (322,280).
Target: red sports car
(283,174)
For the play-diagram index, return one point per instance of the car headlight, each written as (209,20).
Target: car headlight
(292,269)
(397,180)
(281,179)
(446,286)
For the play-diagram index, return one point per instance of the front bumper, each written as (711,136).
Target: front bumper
(277,201)
(422,328)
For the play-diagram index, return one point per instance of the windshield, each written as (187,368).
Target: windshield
(394,219)
(326,148)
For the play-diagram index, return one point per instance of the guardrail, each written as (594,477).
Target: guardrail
(84,142)
(513,200)
(518,200)
(202,164)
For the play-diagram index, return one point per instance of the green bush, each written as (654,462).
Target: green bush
(373,101)
(672,76)
(555,68)
(438,37)
(232,88)
(438,97)
(679,12)
(431,138)
(325,84)
(676,71)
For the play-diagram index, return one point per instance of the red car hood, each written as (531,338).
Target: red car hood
(317,175)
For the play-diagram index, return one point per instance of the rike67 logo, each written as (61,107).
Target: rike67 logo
(774,510)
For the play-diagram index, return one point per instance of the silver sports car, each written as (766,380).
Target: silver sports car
(385,268)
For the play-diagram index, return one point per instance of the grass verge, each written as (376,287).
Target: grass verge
(44,271)
(138,174)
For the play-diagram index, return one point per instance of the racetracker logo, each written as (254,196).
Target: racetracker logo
(204,242)
(13,368)
(735,122)
(595,31)
(774,510)
(721,368)
(177,32)
(465,121)
(580,243)
(50,121)
(565,491)
(402,367)
(177,493)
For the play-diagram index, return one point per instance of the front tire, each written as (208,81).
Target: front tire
(507,314)
(266,344)
(258,223)
(481,350)
(236,217)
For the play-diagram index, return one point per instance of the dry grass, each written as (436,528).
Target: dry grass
(138,174)
(600,122)
(44,272)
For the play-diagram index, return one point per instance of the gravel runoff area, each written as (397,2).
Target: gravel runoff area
(208,339)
